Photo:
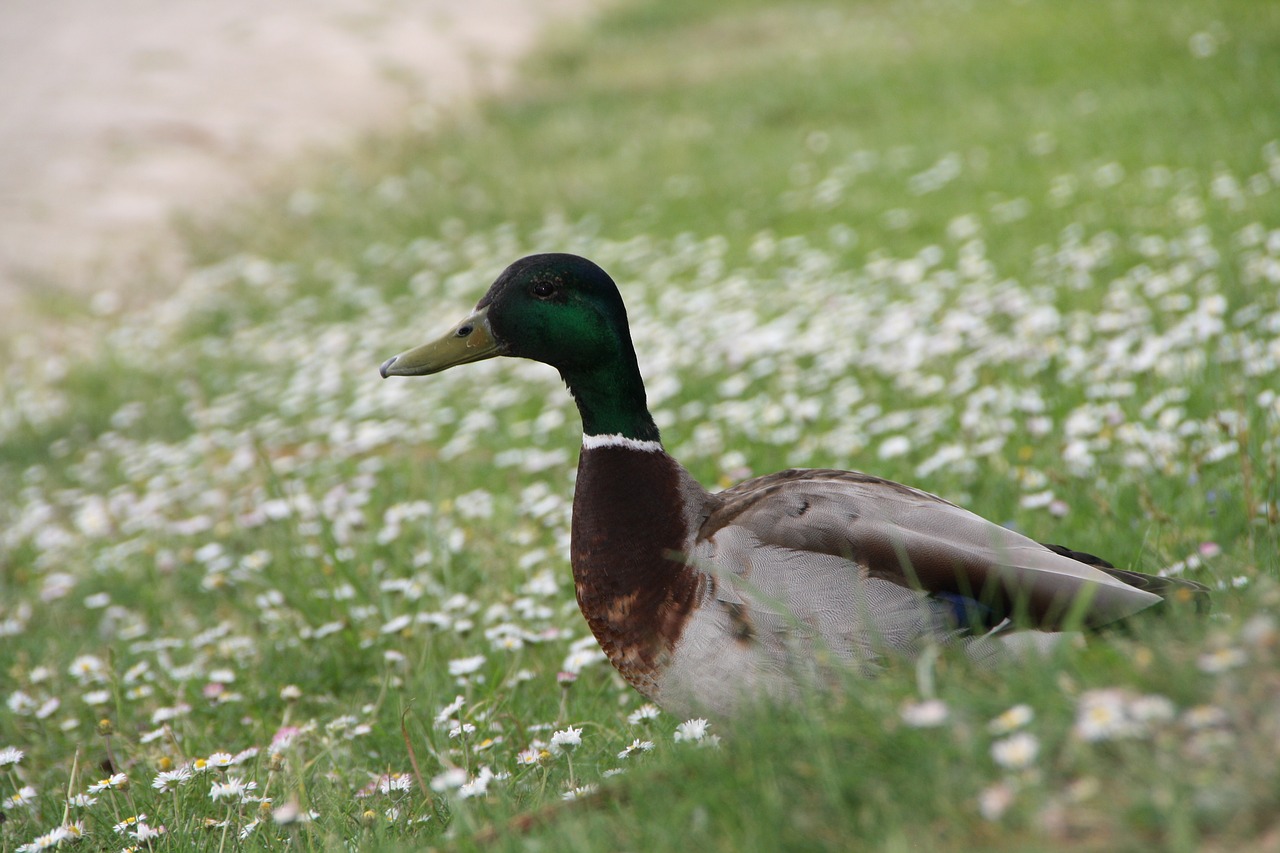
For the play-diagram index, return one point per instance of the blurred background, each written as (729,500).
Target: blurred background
(1023,254)
(116,117)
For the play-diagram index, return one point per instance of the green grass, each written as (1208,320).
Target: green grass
(1024,255)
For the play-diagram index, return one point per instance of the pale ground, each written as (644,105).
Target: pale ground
(115,114)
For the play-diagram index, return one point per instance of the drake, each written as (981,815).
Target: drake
(704,599)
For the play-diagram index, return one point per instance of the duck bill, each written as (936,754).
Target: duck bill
(470,340)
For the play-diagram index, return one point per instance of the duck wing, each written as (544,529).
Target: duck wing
(768,529)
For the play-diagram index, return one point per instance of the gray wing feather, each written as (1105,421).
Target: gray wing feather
(909,538)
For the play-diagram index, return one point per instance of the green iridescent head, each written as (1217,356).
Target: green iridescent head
(561,310)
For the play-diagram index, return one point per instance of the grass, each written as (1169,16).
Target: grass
(1023,255)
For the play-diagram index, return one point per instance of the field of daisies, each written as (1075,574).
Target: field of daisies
(1023,255)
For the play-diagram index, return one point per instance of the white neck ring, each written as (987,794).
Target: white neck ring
(593,442)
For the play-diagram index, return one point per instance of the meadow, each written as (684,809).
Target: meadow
(1024,255)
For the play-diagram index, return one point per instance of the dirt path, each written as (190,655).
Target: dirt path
(115,115)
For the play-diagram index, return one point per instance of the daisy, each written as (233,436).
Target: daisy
(220,760)
(128,824)
(477,787)
(1152,708)
(115,782)
(643,714)
(566,740)
(10,755)
(234,788)
(1102,715)
(449,780)
(579,792)
(1221,660)
(48,841)
(169,780)
(395,782)
(466,666)
(1016,752)
(532,755)
(1011,720)
(635,746)
(25,796)
(994,801)
(87,668)
(924,715)
(691,730)
(449,710)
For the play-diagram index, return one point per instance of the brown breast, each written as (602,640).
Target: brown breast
(630,530)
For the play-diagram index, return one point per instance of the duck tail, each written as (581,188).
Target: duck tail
(1177,591)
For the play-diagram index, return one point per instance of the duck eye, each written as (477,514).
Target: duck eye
(543,289)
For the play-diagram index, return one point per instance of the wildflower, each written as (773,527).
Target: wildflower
(146,832)
(164,715)
(25,796)
(691,730)
(128,823)
(466,666)
(169,780)
(532,755)
(49,840)
(635,746)
(579,792)
(477,787)
(1011,720)
(1204,717)
(283,739)
(290,813)
(234,788)
(1016,752)
(397,624)
(396,782)
(462,729)
(1221,660)
(565,740)
(924,715)
(245,754)
(643,714)
(81,801)
(115,782)
(291,693)
(1152,708)
(1102,715)
(994,801)
(580,658)
(449,710)
(88,668)
(449,780)
(21,703)
(10,755)
(220,760)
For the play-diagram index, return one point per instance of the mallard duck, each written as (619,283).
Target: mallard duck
(703,599)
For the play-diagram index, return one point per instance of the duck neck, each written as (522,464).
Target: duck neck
(611,401)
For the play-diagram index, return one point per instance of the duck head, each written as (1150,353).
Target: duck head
(561,310)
